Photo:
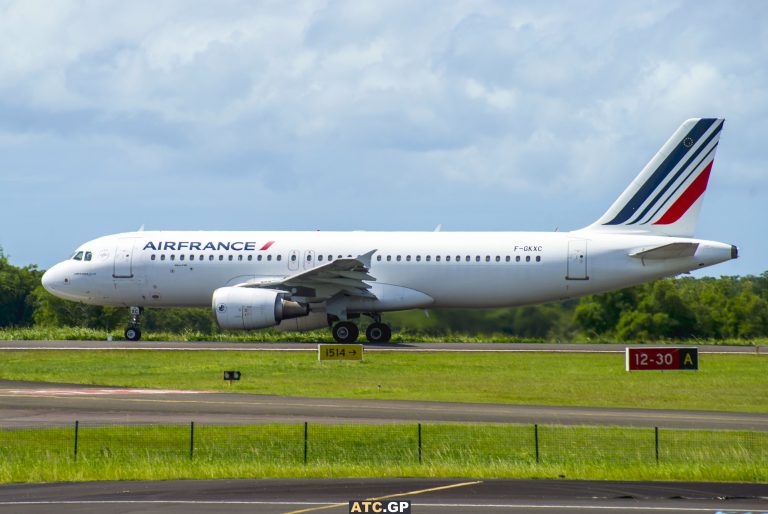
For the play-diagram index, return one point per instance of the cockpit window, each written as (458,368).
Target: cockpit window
(78,256)
(88,256)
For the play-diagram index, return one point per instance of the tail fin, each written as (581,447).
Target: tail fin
(666,197)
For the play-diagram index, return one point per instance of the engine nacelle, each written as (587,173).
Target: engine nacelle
(313,321)
(249,308)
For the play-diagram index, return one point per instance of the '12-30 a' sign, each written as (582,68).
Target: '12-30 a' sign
(638,359)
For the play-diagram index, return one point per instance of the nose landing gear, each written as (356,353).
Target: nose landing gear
(133,331)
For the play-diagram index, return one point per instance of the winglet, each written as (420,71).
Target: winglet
(365,259)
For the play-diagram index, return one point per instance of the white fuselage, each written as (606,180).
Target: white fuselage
(411,269)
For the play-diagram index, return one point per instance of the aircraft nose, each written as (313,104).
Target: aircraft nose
(54,279)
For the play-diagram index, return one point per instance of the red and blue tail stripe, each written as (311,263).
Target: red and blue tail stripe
(677,182)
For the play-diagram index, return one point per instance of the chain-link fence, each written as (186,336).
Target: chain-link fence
(310,443)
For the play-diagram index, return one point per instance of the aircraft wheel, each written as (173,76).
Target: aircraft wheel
(378,333)
(132,334)
(345,332)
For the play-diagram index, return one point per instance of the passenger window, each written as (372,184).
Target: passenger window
(408,258)
(517,259)
(507,258)
(458,258)
(293,258)
(309,257)
(429,258)
(469,258)
(240,257)
(181,257)
(259,258)
(210,257)
(398,258)
(269,257)
(221,257)
(389,258)
(330,258)
(378,258)
(527,258)
(487,258)
(477,258)
(320,258)
(498,258)
(152,257)
(250,257)
(437,258)
(229,257)
(279,257)
(78,256)
(418,258)
(173,256)
(538,258)
(447,258)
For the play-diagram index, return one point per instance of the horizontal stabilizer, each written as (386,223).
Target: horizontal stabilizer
(670,251)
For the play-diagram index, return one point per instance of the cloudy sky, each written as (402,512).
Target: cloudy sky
(368,115)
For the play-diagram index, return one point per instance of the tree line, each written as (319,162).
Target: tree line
(680,309)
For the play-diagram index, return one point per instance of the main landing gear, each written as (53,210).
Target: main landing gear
(133,331)
(377,332)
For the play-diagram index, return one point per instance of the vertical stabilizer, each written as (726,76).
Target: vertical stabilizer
(666,197)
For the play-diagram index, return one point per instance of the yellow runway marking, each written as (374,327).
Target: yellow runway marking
(389,496)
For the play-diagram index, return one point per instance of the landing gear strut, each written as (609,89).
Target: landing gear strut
(133,331)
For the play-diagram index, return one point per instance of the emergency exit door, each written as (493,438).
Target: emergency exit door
(577,260)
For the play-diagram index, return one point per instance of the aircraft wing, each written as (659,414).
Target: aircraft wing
(347,276)
(668,251)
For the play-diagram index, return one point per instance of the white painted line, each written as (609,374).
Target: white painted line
(96,392)
(417,350)
(473,506)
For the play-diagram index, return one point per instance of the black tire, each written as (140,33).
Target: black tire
(345,332)
(132,334)
(378,333)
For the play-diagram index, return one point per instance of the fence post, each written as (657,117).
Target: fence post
(419,443)
(536,439)
(77,426)
(191,439)
(656,430)
(305,442)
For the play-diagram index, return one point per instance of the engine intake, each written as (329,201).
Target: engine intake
(246,308)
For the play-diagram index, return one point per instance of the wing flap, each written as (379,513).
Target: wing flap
(347,276)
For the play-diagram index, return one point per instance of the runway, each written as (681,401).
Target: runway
(43,404)
(426,496)
(369,347)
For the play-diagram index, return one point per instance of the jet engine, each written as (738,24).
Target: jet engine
(250,308)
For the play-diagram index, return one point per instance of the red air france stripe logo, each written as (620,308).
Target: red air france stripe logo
(682,204)
(266,246)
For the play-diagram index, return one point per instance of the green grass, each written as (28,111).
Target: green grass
(723,383)
(450,450)
(315,336)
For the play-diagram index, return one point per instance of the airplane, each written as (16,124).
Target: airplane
(308,280)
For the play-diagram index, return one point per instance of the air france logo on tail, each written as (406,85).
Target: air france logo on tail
(672,182)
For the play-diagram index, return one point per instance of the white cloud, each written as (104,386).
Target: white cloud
(296,102)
